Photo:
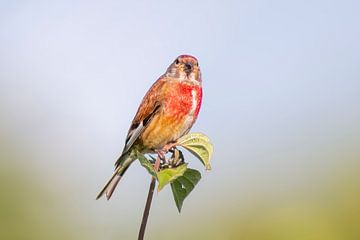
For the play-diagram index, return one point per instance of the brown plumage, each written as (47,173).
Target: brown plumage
(167,112)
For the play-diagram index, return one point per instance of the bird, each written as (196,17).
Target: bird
(167,112)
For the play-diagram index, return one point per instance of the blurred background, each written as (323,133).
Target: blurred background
(281,104)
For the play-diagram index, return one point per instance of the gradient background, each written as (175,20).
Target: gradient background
(281,104)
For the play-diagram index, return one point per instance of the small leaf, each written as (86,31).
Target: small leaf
(199,145)
(183,185)
(146,164)
(170,174)
(190,136)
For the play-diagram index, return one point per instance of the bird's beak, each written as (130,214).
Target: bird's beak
(188,68)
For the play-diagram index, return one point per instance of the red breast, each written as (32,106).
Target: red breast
(181,105)
(176,97)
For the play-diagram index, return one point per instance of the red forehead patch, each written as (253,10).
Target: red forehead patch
(188,56)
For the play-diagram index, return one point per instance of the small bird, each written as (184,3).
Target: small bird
(166,113)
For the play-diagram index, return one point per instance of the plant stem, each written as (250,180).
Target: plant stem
(148,202)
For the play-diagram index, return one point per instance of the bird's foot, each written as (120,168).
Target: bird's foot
(169,147)
(176,158)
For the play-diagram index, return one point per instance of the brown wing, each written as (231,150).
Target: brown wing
(149,107)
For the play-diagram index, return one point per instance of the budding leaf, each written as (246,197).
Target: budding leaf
(146,164)
(199,145)
(183,185)
(168,175)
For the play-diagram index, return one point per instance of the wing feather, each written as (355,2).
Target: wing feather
(134,133)
(149,107)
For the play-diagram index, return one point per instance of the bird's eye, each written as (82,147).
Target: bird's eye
(177,61)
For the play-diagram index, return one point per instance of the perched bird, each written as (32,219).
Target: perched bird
(166,113)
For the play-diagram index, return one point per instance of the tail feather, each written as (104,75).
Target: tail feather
(124,162)
(110,186)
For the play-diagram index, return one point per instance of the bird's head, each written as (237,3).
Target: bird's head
(185,68)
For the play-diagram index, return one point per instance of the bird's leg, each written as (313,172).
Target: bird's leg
(169,147)
(160,159)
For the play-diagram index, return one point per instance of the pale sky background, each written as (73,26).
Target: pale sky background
(281,103)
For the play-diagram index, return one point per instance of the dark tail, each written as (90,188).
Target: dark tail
(123,164)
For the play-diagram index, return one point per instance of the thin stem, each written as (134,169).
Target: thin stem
(147,209)
(148,202)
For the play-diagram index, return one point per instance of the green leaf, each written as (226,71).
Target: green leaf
(146,164)
(183,185)
(199,145)
(168,175)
